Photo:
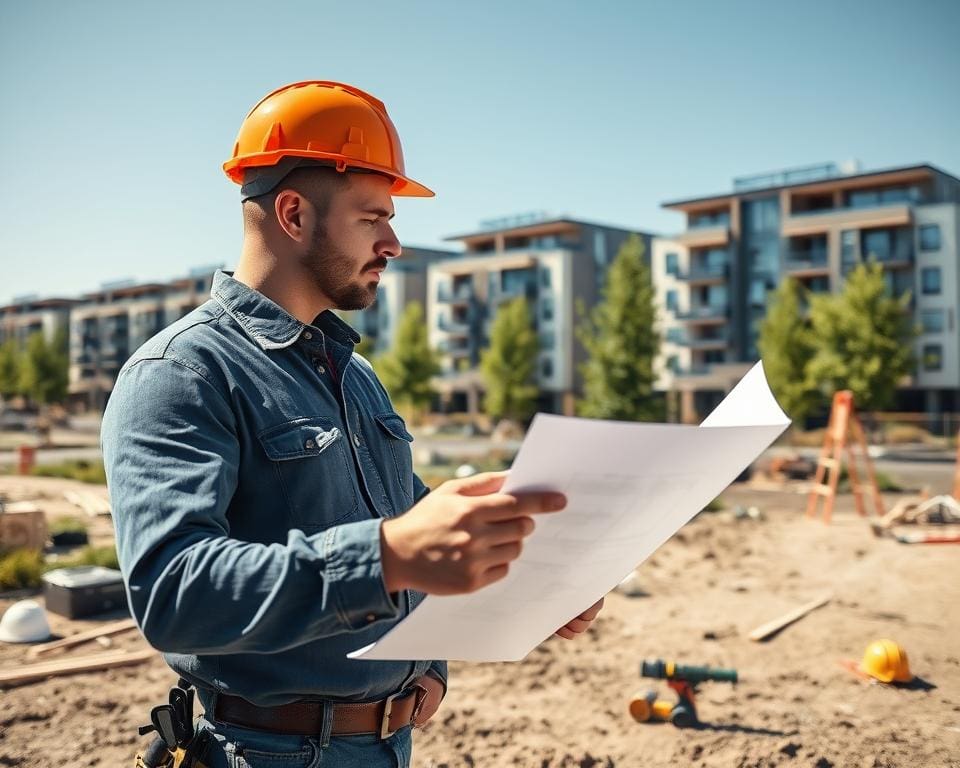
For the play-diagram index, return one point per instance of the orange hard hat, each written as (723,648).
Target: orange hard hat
(322,122)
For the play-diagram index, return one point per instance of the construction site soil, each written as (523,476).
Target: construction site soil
(566,704)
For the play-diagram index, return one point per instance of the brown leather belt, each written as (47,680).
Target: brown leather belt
(305,718)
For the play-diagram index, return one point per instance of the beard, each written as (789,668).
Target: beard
(330,269)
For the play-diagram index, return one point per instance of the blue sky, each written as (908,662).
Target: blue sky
(117,115)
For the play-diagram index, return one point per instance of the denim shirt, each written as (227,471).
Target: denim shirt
(251,460)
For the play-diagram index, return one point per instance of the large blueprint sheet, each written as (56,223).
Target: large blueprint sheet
(629,486)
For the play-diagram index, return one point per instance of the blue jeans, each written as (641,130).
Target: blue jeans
(237,747)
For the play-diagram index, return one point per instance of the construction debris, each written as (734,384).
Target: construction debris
(114,628)
(91,503)
(42,670)
(772,627)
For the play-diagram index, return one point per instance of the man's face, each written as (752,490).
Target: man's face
(351,246)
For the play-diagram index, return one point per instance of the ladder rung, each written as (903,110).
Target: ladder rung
(832,463)
(823,490)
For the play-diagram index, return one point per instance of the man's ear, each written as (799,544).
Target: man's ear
(291,212)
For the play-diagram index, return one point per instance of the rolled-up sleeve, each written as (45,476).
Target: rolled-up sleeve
(172,453)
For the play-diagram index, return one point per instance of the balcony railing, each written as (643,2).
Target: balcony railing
(452,326)
(704,313)
(447,295)
(454,348)
(700,272)
(813,258)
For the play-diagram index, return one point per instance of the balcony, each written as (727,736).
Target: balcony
(454,347)
(462,294)
(501,295)
(704,236)
(705,315)
(807,261)
(453,326)
(705,273)
(704,343)
(897,214)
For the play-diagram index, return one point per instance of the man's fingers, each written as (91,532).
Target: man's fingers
(509,530)
(591,613)
(480,484)
(504,506)
(577,625)
(565,633)
(493,574)
(503,553)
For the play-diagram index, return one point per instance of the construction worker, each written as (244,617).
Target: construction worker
(268,518)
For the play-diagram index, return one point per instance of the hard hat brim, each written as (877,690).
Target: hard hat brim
(403,186)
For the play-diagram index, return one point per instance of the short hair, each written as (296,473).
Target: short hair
(316,183)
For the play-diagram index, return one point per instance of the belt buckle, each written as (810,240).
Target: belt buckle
(385,732)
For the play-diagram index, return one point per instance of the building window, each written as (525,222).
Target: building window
(932,320)
(930,280)
(547,340)
(930,237)
(546,308)
(673,264)
(675,335)
(546,367)
(672,301)
(673,363)
(932,357)
(545,278)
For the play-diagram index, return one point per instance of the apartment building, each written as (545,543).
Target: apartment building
(108,325)
(814,224)
(553,263)
(28,315)
(404,281)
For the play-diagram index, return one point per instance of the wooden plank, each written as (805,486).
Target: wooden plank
(113,628)
(33,672)
(771,627)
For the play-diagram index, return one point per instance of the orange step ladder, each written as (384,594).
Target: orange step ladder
(843,423)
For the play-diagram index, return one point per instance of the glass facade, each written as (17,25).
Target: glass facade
(760,241)
(932,357)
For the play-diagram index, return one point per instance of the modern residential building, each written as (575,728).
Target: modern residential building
(108,325)
(28,315)
(814,224)
(554,264)
(403,282)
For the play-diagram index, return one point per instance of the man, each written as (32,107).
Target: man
(268,517)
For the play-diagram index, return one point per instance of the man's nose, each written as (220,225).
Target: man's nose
(390,247)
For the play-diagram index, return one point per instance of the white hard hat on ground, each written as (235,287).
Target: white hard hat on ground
(24,622)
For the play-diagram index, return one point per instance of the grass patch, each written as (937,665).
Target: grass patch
(714,506)
(82,470)
(67,525)
(885,483)
(23,568)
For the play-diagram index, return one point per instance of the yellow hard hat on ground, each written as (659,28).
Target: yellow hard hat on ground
(886,661)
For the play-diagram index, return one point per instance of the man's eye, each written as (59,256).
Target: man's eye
(369,221)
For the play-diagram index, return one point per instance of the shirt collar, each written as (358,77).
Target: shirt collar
(266,322)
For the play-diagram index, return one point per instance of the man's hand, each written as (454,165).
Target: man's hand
(580,624)
(461,537)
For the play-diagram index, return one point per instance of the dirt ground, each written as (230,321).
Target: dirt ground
(566,704)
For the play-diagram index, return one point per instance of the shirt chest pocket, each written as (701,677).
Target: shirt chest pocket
(310,461)
(396,462)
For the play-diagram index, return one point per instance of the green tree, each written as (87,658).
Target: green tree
(44,372)
(787,346)
(508,365)
(864,339)
(621,341)
(407,368)
(9,369)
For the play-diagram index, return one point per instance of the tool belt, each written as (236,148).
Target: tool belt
(305,718)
